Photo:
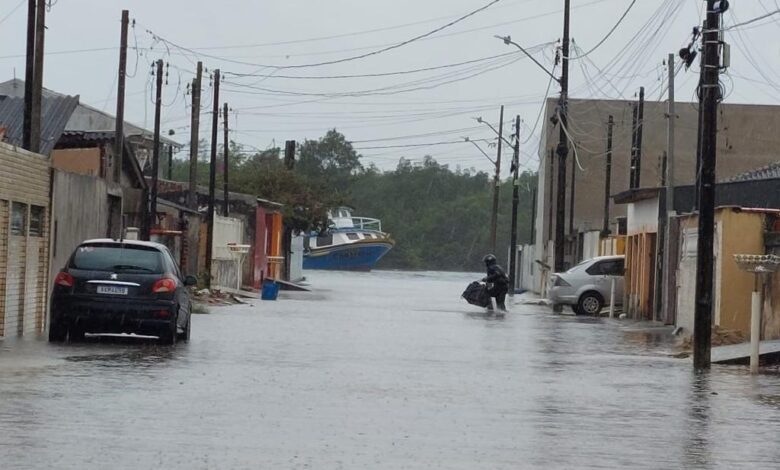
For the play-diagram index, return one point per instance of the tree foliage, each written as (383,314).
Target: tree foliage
(439,217)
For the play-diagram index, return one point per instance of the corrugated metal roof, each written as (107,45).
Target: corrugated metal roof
(766,172)
(55,113)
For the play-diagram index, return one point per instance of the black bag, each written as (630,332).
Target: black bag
(477,294)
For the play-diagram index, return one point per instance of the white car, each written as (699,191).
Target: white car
(587,286)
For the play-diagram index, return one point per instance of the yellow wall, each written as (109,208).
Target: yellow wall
(743,233)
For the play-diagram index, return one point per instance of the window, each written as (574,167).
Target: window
(607,268)
(37,216)
(113,257)
(367,235)
(353,236)
(18,219)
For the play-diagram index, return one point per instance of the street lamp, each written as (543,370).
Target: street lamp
(508,41)
(467,139)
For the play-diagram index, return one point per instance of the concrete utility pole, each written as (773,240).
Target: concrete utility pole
(212,179)
(156,149)
(37,91)
(710,96)
(496,184)
(119,127)
(550,235)
(632,165)
(671,117)
(515,204)
(225,165)
(608,175)
(192,196)
(534,196)
(29,77)
(563,146)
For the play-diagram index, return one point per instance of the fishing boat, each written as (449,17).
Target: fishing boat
(349,244)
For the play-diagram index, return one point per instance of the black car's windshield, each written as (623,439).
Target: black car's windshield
(127,258)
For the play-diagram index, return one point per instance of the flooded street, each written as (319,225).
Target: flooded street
(383,370)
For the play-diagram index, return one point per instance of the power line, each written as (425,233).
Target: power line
(360,56)
(13,10)
(751,21)
(633,2)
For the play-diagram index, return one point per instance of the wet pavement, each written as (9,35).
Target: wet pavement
(383,370)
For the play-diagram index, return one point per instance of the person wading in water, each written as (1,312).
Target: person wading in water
(497,282)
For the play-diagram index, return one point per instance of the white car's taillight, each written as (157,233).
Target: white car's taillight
(561,282)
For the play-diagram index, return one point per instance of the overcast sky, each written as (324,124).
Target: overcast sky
(258,37)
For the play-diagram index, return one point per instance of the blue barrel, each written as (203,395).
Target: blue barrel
(270,290)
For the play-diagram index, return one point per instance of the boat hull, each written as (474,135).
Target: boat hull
(350,257)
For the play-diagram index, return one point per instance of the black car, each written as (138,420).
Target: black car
(127,286)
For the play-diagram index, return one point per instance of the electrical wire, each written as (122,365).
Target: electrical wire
(630,6)
(751,21)
(13,10)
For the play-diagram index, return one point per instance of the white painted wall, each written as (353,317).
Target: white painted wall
(591,244)
(643,216)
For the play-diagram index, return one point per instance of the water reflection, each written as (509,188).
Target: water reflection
(696,449)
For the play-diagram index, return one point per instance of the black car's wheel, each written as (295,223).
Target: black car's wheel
(590,303)
(168,334)
(185,335)
(57,332)
(75,333)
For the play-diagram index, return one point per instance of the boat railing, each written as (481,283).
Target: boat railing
(367,223)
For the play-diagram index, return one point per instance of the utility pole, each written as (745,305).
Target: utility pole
(212,178)
(563,146)
(515,204)
(29,77)
(156,149)
(534,195)
(192,196)
(632,166)
(119,129)
(550,235)
(170,163)
(640,125)
(608,175)
(571,195)
(710,96)
(225,165)
(37,91)
(671,117)
(496,185)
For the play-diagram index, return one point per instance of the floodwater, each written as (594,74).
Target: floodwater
(383,370)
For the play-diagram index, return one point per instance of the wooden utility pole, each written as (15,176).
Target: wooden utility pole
(29,77)
(155,150)
(632,165)
(212,178)
(608,175)
(709,98)
(515,204)
(563,146)
(192,195)
(119,129)
(37,91)
(170,163)
(640,125)
(225,165)
(497,184)
(671,117)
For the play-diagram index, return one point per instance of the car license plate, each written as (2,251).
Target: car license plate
(112,290)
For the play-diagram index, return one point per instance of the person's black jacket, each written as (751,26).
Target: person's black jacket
(497,277)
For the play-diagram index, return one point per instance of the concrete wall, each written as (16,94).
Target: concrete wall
(742,233)
(24,240)
(591,245)
(735,233)
(643,216)
(746,140)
